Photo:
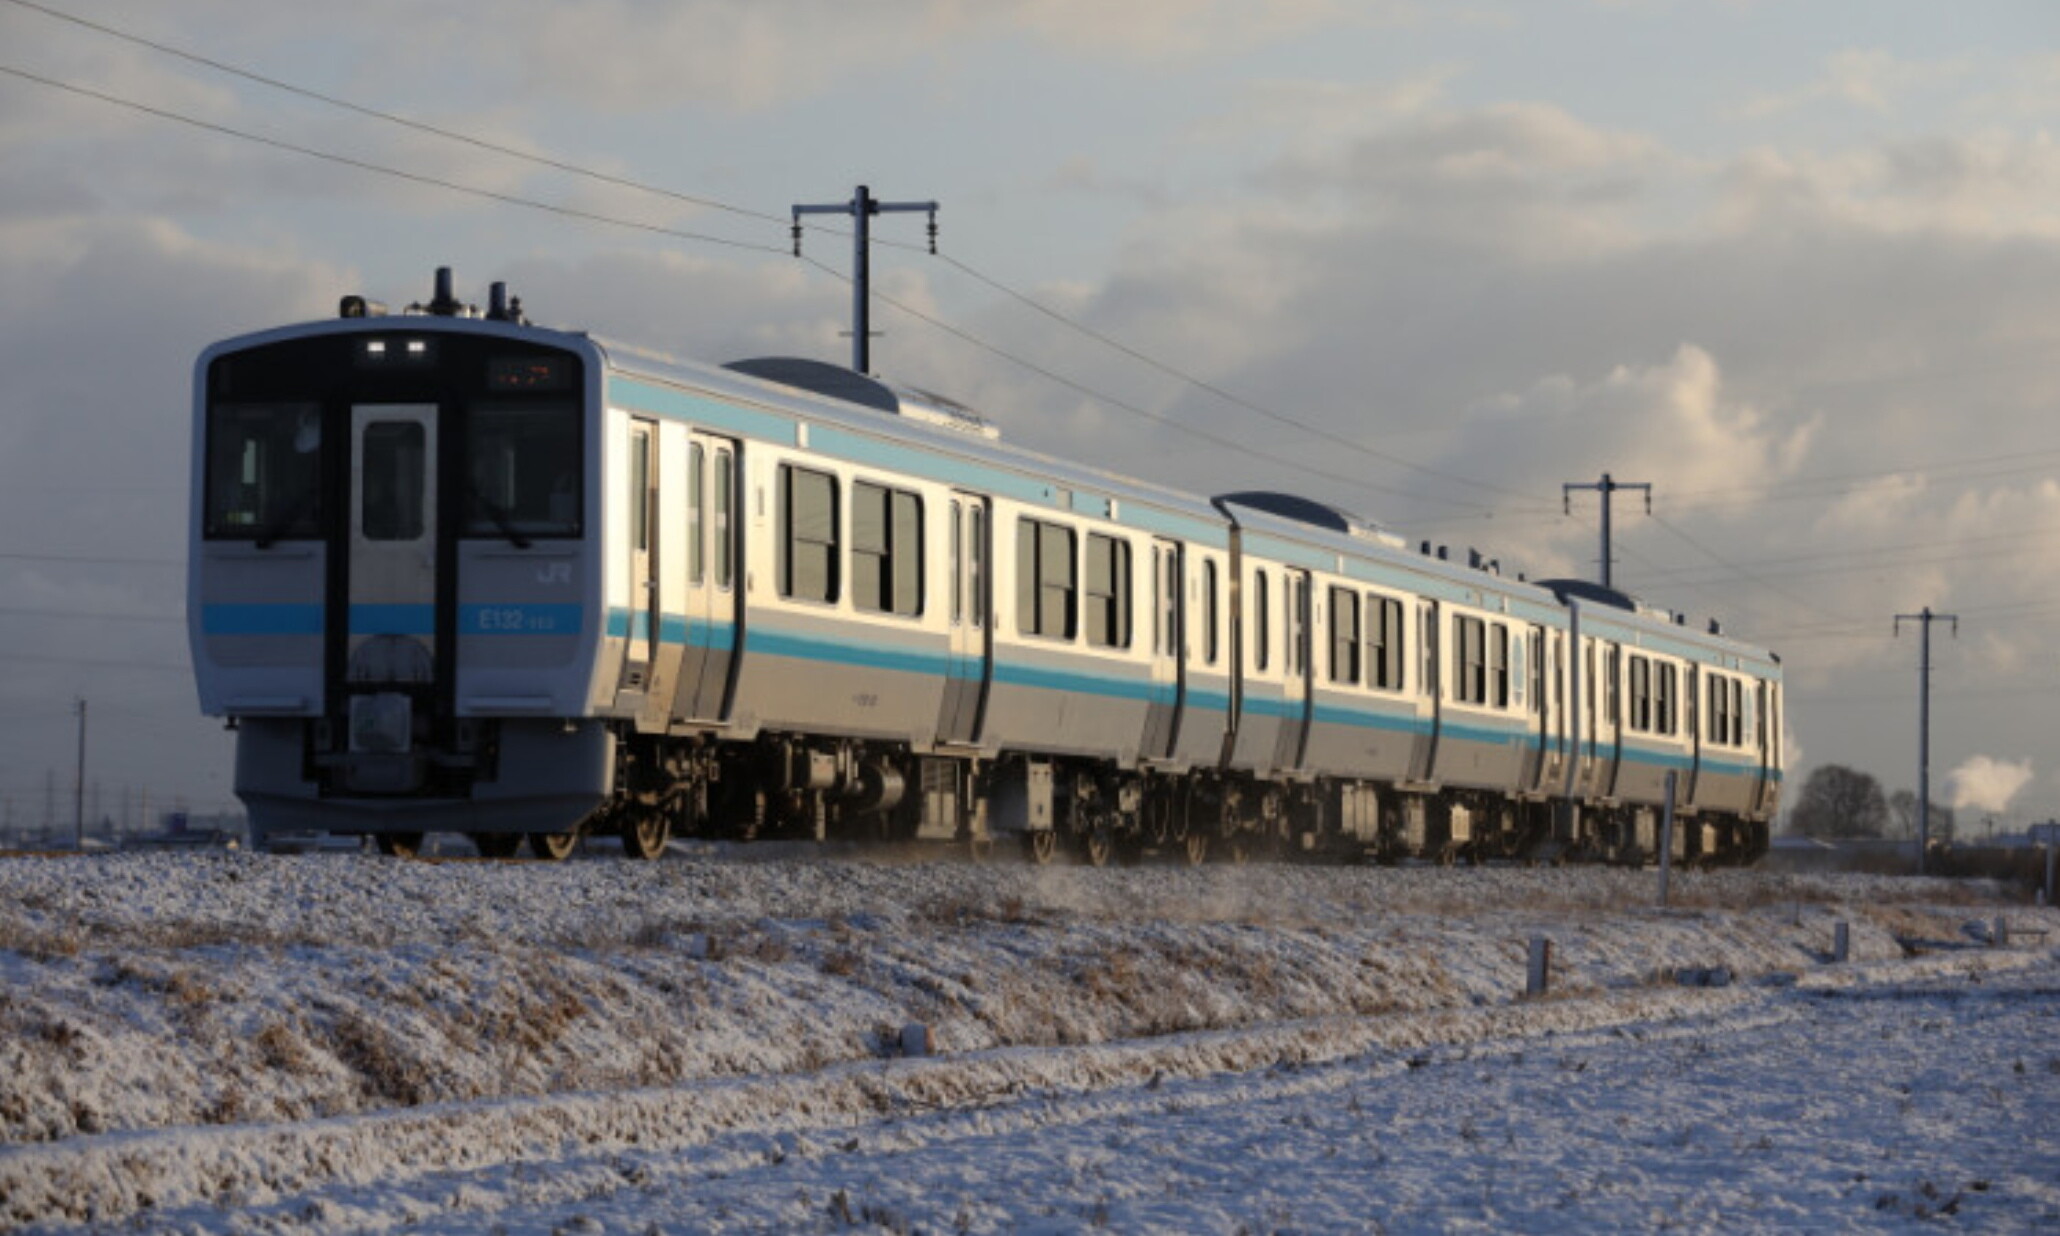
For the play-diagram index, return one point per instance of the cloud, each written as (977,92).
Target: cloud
(1984,783)
(1871,79)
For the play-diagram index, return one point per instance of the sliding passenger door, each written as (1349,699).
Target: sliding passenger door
(1298,698)
(713,551)
(1423,756)
(969,662)
(640,491)
(1169,646)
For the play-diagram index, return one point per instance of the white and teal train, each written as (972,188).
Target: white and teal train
(452,572)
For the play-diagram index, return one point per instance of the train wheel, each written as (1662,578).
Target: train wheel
(645,835)
(553,847)
(1042,845)
(1101,846)
(497,845)
(398,845)
(1196,848)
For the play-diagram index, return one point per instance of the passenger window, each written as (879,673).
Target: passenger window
(1108,591)
(697,513)
(725,510)
(1262,635)
(808,536)
(886,550)
(1211,639)
(1344,636)
(1046,580)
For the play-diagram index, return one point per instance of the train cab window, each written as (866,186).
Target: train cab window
(264,470)
(522,470)
(886,550)
(1047,582)
(1107,592)
(1344,636)
(808,535)
(396,477)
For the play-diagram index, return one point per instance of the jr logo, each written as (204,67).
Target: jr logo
(554,573)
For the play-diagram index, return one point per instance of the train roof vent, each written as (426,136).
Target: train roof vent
(837,382)
(1316,514)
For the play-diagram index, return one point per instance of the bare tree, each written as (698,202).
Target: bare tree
(1837,801)
(1903,806)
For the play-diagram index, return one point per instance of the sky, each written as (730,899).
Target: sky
(1796,267)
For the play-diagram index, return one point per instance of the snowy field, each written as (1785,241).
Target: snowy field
(249,1043)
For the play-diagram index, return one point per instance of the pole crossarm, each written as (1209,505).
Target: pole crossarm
(862,207)
(1924,618)
(1607,487)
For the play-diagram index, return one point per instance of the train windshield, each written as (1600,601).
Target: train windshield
(523,469)
(264,471)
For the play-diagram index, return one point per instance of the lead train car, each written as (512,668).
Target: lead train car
(451,572)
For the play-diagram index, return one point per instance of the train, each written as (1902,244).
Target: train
(453,572)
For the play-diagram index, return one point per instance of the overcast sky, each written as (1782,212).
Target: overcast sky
(1796,266)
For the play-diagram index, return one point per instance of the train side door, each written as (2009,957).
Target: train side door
(391,627)
(640,490)
(1298,698)
(1424,756)
(1169,645)
(967,667)
(711,564)
(1537,670)
(1610,743)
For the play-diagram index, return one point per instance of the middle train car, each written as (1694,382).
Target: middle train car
(815,604)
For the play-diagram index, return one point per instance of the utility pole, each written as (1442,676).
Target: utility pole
(862,207)
(1926,617)
(1606,486)
(79,785)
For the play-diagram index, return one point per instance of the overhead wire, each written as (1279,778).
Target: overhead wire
(953,262)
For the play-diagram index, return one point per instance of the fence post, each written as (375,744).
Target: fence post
(1540,975)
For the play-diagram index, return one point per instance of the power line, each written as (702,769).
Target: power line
(394,118)
(510,199)
(716,204)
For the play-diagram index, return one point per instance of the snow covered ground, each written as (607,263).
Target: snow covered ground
(248,1043)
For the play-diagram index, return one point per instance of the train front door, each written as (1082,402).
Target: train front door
(712,594)
(391,554)
(967,666)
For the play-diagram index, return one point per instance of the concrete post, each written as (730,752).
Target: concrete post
(1540,975)
(1841,940)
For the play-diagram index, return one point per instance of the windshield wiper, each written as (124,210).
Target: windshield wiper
(283,521)
(500,517)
